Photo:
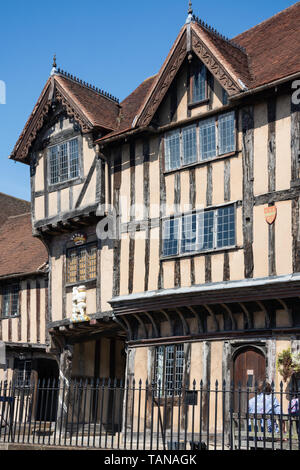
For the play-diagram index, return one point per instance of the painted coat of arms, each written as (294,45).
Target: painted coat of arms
(270,214)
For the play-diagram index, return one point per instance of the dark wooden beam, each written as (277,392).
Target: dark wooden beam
(213,315)
(154,324)
(185,326)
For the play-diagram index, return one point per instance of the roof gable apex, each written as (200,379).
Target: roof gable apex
(52,92)
(79,103)
(190,39)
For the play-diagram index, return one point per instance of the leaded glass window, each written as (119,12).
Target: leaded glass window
(226,133)
(202,231)
(189,233)
(170,237)
(189,137)
(81,263)
(206,230)
(199,83)
(23,370)
(10,300)
(169,369)
(172,151)
(207,134)
(226,227)
(64,161)
(208,139)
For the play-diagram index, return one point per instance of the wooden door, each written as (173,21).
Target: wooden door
(249,368)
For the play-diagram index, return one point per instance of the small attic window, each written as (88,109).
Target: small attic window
(198,82)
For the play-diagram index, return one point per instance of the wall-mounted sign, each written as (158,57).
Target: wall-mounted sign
(79,239)
(270,214)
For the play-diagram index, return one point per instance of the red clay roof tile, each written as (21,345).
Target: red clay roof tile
(20,252)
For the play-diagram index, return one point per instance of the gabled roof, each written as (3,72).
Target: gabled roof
(273,46)
(227,62)
(92,108)
(10,205)
(259,56)
(20,252)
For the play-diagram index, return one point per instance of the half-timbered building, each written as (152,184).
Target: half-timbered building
(23,299)
(197,171)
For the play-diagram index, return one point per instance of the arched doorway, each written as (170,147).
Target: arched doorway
(249,367)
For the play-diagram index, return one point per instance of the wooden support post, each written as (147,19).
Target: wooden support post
(65,373)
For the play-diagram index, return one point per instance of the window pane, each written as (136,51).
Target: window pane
(74,161)
(54,177)
(226,133)
(170,237)
(207,130)
(23,373)
(169,376)
(206,230)
(63,162)
(82,264)
(72,266)
(172,151)
(199,83)
(6,302)
(159,366)
(179,368)
(226,227)
(169,366)
(189,233)
(14,300)
(92,262)
(189,145)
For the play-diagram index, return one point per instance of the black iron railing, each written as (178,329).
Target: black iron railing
(111,414)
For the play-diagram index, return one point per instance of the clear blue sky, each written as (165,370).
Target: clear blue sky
(112,44)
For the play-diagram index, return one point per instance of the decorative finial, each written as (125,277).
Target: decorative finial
(54,69)
(190,14)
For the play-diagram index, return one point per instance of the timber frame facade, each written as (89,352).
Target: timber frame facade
(219,299)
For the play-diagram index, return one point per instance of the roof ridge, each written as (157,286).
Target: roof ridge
(212,30)
(14,197)
(89,86)
(267,19)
